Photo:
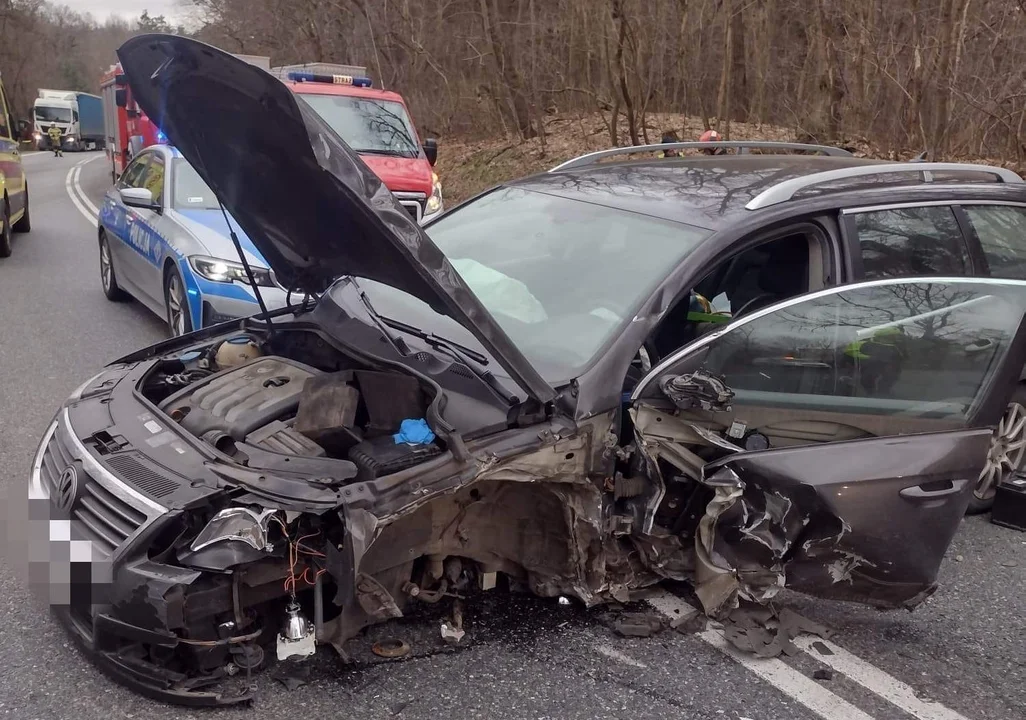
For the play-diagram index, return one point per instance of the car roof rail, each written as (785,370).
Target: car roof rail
(741,145)
(786,190)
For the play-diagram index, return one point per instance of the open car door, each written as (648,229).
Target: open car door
(833,439)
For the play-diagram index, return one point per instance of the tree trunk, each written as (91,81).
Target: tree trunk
(520,108)
(725,95)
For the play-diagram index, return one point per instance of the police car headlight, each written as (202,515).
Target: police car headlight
(434,203)
(224,271)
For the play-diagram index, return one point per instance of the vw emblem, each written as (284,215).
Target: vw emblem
(67,489)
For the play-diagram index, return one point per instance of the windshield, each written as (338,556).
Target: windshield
(559,276)
(46,113)
(189,192)
(368,125)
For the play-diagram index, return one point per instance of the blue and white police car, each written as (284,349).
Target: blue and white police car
(165,241)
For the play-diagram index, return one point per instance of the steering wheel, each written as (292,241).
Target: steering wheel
(744,308)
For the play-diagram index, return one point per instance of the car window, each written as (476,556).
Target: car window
(5,121)
(189,192)
(153,180)
(368,125)
(909,242)
(133,174)
(560,276)
(897,349)
(1001,230)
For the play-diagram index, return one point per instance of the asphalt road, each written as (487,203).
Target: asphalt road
(962,655)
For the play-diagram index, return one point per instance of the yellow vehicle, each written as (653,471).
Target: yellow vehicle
(14,199)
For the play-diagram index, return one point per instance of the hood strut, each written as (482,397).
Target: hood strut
(249,270)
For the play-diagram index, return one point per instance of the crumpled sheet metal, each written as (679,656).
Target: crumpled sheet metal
(766,633)
(742,541)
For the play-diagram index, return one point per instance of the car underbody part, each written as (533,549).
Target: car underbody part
(391,648)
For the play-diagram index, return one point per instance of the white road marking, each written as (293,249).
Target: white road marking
(614,654)
(77,195)
(875,680)
(776,672)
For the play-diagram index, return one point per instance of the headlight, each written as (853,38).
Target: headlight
(237,523)
(434,203)
(224,271)
(69,138)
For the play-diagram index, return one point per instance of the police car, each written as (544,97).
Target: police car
(165,240)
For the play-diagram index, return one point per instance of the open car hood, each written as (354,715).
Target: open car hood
(304,197)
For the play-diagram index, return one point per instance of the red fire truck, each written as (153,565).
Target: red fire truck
(377,125)
(128,129)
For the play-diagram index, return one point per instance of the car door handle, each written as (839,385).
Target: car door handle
(927,491)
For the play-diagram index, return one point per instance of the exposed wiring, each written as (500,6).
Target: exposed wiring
(226,641)
(297,548)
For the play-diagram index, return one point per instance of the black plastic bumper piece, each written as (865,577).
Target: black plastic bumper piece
(138,674)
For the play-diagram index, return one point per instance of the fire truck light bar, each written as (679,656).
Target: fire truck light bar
(297,76)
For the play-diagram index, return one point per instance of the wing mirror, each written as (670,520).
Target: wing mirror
(121,97)
(138,198)
(431,150)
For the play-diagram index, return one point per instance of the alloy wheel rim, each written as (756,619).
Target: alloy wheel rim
(105,268)
(1005,456)
(174,307)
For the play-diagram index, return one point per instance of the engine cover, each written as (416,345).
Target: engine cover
(242,399)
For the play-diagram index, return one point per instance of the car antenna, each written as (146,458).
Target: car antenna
(249,270)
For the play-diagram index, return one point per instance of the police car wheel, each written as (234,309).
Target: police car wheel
(108,280)
(179,321)
(5,234)
(1005,456)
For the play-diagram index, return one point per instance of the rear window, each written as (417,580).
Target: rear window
(910,242)
(368,125)
(1001,230)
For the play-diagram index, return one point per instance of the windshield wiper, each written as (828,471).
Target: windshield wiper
(388,153)
(471,359)
(379,322)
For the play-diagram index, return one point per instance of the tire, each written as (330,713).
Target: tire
(25,224)
(176,305)
(108,280)
(5,232)
(1007,453)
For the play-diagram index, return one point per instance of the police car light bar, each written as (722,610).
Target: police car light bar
(296,76)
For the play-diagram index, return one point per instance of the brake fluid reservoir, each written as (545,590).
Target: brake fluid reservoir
(236,351)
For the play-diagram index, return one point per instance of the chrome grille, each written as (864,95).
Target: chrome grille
(102,517)
(413,202)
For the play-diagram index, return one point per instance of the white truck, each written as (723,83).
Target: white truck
(78,115)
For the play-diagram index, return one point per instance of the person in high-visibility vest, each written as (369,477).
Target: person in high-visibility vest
(878,358)
(669,137)
(55,140)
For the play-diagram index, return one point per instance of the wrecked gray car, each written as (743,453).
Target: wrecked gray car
(495,398)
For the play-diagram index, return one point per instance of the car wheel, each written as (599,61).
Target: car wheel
(1006,454)
(178,318)
(5,234)
(108,280)
(25,224)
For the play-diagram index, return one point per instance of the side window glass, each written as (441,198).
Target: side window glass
(1001,230)
(5,125)
(154,180)
(913,349)
(133,173)
(910,242)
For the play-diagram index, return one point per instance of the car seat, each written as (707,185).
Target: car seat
(784,275)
